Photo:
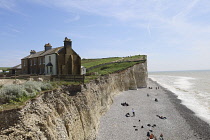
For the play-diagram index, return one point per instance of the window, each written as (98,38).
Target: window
(43,60)
(49,58)
(24,63)
(34,61)
(50,69)
(31,62)
(40,61)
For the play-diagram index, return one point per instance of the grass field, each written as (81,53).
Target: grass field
(4,68)
(100,69)
(111,68)
(93,62)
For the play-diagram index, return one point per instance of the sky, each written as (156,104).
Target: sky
(174,34)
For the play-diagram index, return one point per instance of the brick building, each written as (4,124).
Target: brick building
(53,61)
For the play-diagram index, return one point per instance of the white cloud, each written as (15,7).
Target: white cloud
(7,4)
(72,19)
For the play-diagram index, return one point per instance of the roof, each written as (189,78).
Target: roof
(34,55)
(43,53)
(49,64)
(17,67)
(51,51)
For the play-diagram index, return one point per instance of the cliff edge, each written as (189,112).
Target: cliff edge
(62,115)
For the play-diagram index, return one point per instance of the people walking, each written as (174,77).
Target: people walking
(133,112)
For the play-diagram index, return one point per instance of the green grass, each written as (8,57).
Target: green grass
(5,68)
(93,62)
(111,68)
(135,57)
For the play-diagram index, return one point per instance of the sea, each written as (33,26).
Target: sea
(191,87)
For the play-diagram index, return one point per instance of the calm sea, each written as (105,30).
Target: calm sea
(191,87)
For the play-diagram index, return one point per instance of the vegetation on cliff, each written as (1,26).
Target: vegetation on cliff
(104,66)
(114,67)
(20,93)
(93,62)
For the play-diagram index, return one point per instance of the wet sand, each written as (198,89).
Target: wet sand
(180,122)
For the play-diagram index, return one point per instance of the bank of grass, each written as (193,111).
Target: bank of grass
(135,57)
(93,62)
(111,68)
(122,64)
(5,68)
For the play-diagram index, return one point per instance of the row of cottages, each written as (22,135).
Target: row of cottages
(53,61)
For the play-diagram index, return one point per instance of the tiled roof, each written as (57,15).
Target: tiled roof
(34,55)
(51,51)
(43,53)
(17,67)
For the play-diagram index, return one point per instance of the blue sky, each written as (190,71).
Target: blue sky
(174,34)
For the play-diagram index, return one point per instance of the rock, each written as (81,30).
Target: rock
(17,82)
(40,79)
(55,115)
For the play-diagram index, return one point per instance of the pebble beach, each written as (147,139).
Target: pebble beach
(166,116)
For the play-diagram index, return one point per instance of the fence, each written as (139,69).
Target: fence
(72,78)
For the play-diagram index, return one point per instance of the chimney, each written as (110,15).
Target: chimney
(32,52)
(47,47)
(67,42)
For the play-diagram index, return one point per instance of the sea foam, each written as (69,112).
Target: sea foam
(186,90)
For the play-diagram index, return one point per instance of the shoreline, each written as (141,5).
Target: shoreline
(181,122)
(199,126)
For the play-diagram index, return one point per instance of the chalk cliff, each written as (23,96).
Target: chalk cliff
(65,114)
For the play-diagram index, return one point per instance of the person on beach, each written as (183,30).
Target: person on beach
(151,136)
(133,112)
(148,134)
(161,137)
(127,115)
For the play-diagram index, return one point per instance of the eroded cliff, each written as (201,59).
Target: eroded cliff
(63,115)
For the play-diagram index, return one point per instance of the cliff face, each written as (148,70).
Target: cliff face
(63,115)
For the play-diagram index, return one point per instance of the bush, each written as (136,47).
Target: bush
(22,92)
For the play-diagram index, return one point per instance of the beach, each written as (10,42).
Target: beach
(167,116)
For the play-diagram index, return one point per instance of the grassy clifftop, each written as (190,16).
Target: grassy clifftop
(88,63)
(104,66)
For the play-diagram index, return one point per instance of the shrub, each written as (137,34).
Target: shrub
(11,92)
(19,93)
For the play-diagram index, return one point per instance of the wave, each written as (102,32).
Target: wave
(186,90)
